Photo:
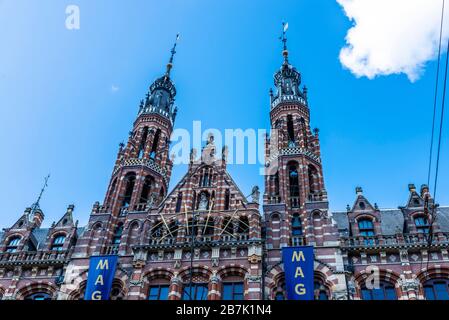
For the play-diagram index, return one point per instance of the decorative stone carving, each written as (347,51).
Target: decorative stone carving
(409,284)
(340,295)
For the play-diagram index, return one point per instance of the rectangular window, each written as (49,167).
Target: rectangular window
(158,292)
(428,291)
(441,289)
(366,294)
(232,291)
(198,291)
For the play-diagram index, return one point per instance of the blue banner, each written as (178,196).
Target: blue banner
(298,269)
(100,277)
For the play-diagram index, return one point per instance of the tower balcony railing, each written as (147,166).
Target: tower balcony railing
(298,241)
(111,249)
(294,202)
(33,257)
(274,199)
(408,239)
(288,98)
(153,109)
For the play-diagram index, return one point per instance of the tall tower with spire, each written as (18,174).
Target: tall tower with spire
(295,199)
(142,171)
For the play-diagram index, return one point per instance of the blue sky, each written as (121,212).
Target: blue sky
(60,115)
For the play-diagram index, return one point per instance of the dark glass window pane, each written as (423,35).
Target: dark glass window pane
(197,292)
(279,296)
(441,290)
(163,294)
(390,293)
(227,291)
(238,287)
(366,294)
(322,296)
(428,292)
(378,294)
(158,292)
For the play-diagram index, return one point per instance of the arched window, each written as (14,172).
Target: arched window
(366,227)
(209,227)
(294,185)
(178,202)
(437,289)
(276,183)
(58,243)
(227,226)
(320,291)
(112,190)
(206,178)
(117,234)
(13,244)
(146,189)
(422,224)
(130,180)
(155,144)
(38,296)
(143,142)
(227,199)
(290,131)
(304,132)
(386,291)
(313,181)
(296,225)
(243,225)
(158,292)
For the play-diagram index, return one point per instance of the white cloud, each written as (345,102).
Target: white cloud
(392,36)
(114,88)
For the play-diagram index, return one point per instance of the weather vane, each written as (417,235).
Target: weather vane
(36,204)
(283,37)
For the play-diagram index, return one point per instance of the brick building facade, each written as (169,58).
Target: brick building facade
(205,239)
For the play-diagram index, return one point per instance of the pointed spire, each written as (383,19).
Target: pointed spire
(173,52)
(284,41)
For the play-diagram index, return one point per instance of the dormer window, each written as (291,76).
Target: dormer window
(366,227)
(422,224)
(58,243)
(362,205)
(13,244)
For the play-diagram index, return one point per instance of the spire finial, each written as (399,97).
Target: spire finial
(284,40)
(173,52)
(43,189)
(35,205)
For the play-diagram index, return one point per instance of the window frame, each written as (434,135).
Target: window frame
(423,228)
(233,285)
(195,286)
(385,287)
(58,246)
(431,284)
(13,244)
(160,288)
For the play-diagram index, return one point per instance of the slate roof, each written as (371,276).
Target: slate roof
(392,220)
(39,235)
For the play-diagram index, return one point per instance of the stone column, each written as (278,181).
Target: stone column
(175,289)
